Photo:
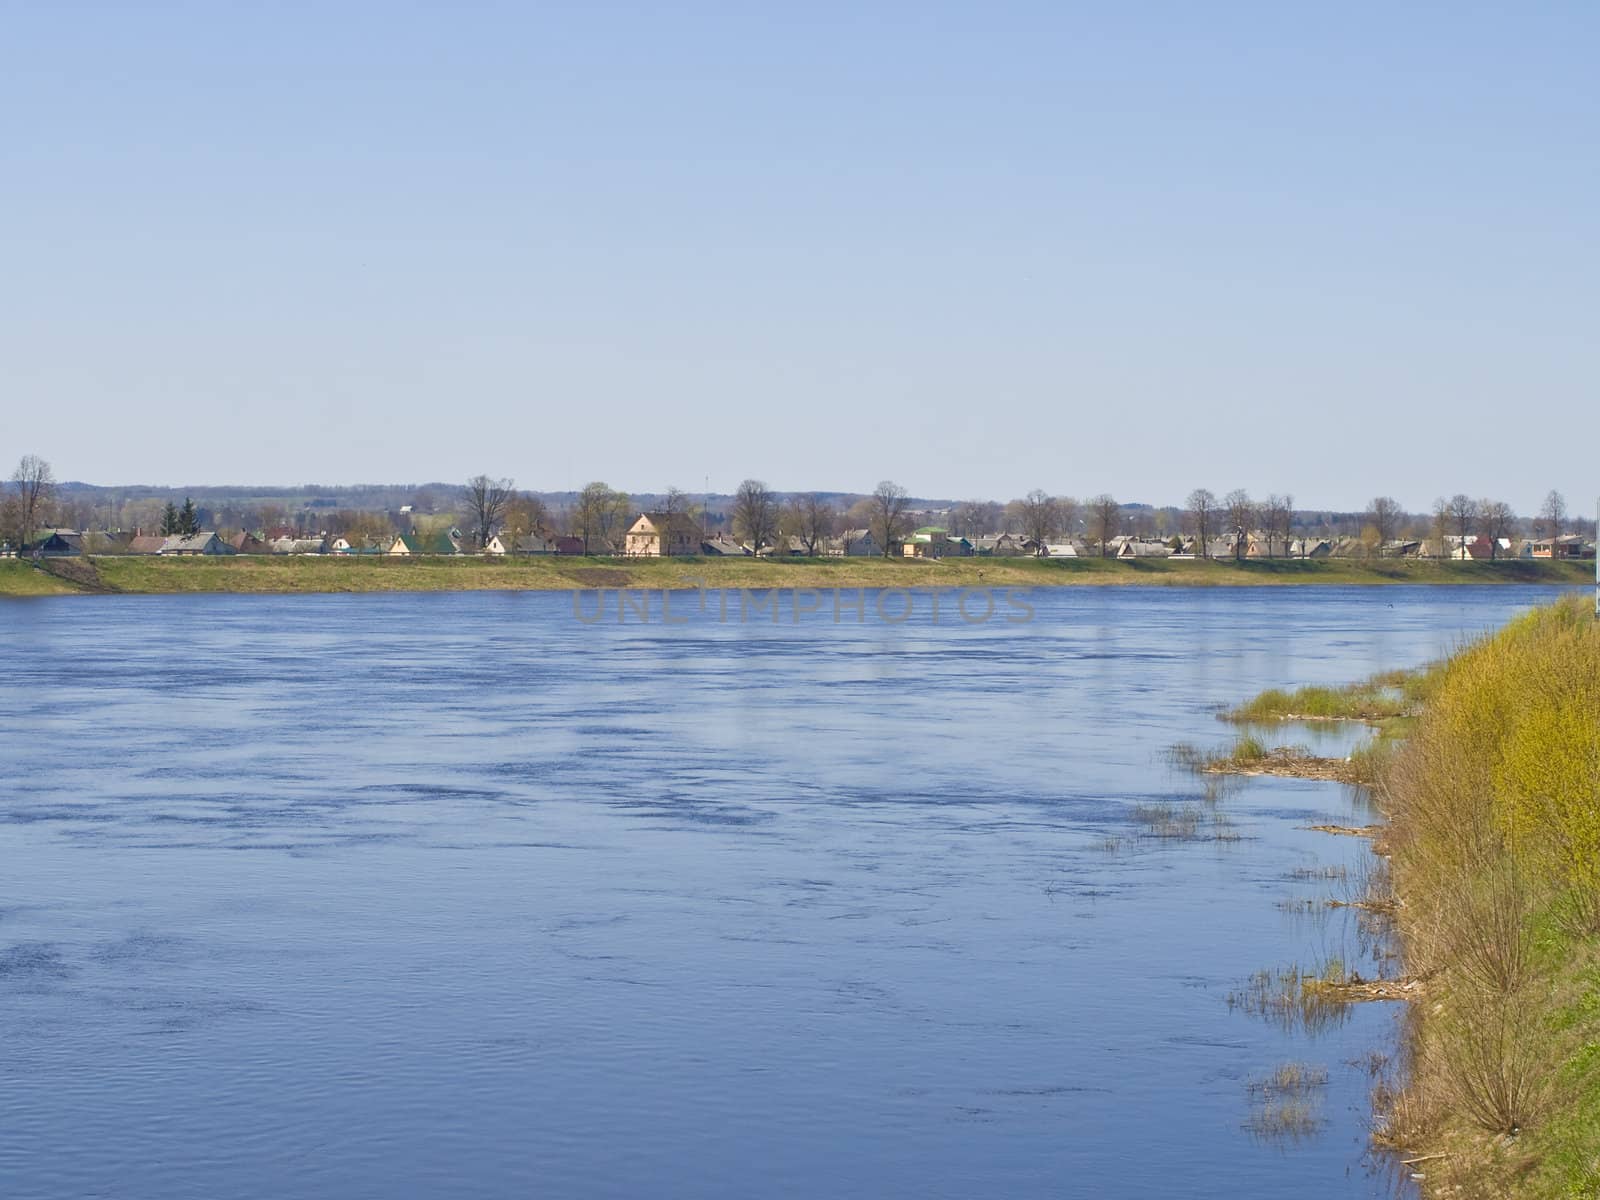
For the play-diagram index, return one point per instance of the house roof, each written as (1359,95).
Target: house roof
(299,546)
(179,544)
(660,522)
(439,543)
(1144,549)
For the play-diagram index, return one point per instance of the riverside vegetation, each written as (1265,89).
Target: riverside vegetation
(334,573)
(1489,777)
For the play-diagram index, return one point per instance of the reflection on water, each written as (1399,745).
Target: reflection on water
(388,896)
(1327,739)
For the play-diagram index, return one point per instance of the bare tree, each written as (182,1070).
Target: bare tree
(1384,515)
(1552,516)
(676,509)
(1495,521)
(1277,514)
(1105,519)
(887,509)
(675,502)
(974,517)
(755,514)
(596,514)
(1067,515)
(1039,516)
(1203,512)
(370,530)
(486,505)
(34,484)
(1462,511)
(1440,526)
(857,518)
(814,522)
(1241,512)
(527,513)
(1288,518)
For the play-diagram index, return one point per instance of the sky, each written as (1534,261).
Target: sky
(1332,250)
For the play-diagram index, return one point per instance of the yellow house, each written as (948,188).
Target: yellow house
(660,535)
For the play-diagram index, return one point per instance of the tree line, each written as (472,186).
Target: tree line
(758,516)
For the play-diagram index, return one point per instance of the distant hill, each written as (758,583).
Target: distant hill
(377,497)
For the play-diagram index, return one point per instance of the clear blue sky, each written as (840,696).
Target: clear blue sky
(1334,249)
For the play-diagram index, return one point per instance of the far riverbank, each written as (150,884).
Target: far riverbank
(314,574)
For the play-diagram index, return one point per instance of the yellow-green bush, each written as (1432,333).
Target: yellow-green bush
(1547,782)
(1494,807)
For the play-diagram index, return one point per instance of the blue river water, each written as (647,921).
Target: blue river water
(462,895)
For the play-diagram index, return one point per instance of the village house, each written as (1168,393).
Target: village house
(1264,545)
(855,543)
(1471,548)
(935,541)
(196,543)
(408,545)
(1138,548)
(54,543)
(661,535)
(1567,546)
(298,545)
(1071,548)
(998,545)
(1308,547)
(1402,548)
(245,542)
(506,542)
(722,546)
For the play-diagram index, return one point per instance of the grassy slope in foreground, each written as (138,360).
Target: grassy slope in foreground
(1494,831)
(249,573)
(20,579)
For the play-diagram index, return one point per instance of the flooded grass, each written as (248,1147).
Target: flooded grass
(1385,696)
(1291,1078)
(1192,822)
(1336,871)
(1287,1104)
(1301,904)
(1249,755)
(1168,820)
(1282,997)
(1289,1119)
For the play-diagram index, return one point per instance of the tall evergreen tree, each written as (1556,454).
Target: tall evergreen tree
(169,519)
(188,519)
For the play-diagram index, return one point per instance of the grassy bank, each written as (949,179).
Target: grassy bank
(249,573)
(1493,803)
(20,579)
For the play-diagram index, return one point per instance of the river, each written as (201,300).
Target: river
(460,894)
